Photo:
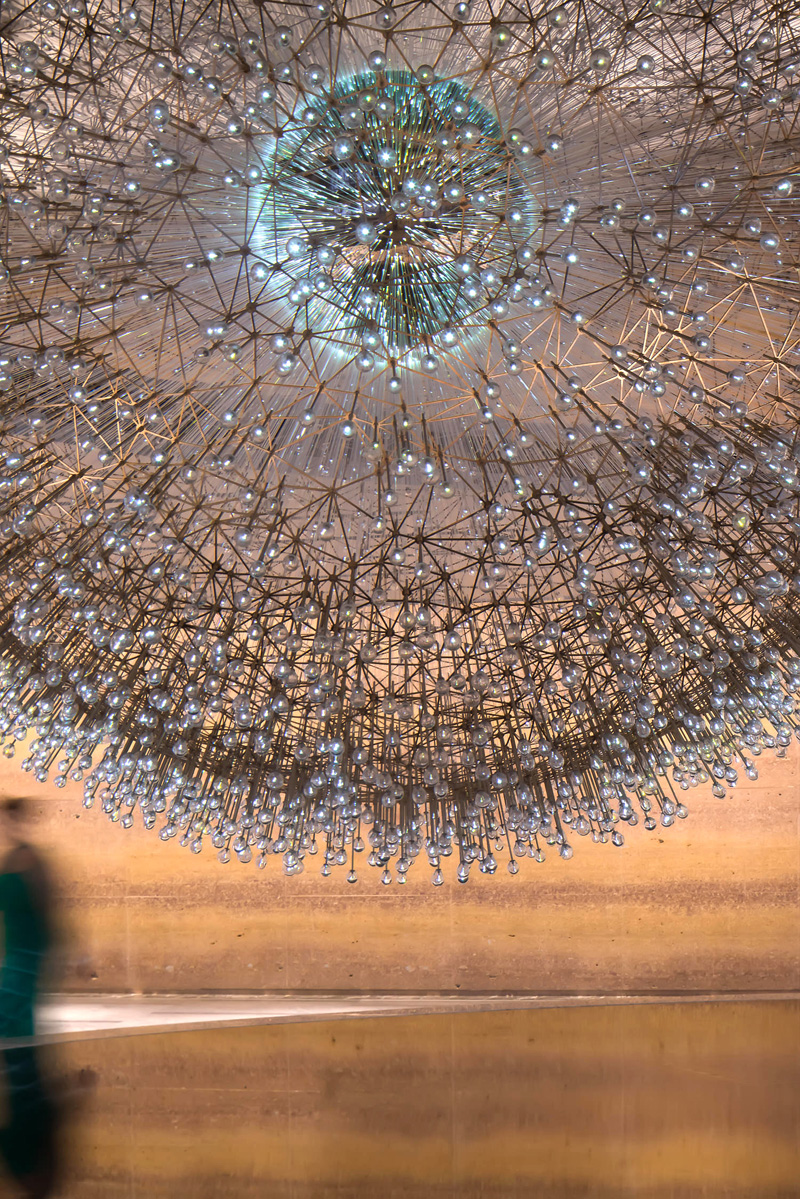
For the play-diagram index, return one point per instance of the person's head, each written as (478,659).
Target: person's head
(14,812)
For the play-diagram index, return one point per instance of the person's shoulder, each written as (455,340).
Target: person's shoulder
(21,858)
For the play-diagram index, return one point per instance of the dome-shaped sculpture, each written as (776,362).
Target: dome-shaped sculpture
(399,418)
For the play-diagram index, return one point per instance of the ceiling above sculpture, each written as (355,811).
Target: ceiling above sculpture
(399,418)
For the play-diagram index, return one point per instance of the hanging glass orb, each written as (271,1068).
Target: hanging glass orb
(398,451)
(405,202)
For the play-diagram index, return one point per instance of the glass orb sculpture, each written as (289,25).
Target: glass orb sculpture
(398,419)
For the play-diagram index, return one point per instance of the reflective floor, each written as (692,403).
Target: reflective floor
(649,1101)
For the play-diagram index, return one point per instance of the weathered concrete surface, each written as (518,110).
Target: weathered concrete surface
(649,1102)
(712,904)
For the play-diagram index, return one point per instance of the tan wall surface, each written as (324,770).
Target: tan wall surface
(634,1102)
(710,904)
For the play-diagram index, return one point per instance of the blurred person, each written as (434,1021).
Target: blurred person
(28,1141)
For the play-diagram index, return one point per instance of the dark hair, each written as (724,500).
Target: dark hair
(16,806)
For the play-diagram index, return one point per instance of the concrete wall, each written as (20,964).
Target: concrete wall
(711,904)
(634,1102)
